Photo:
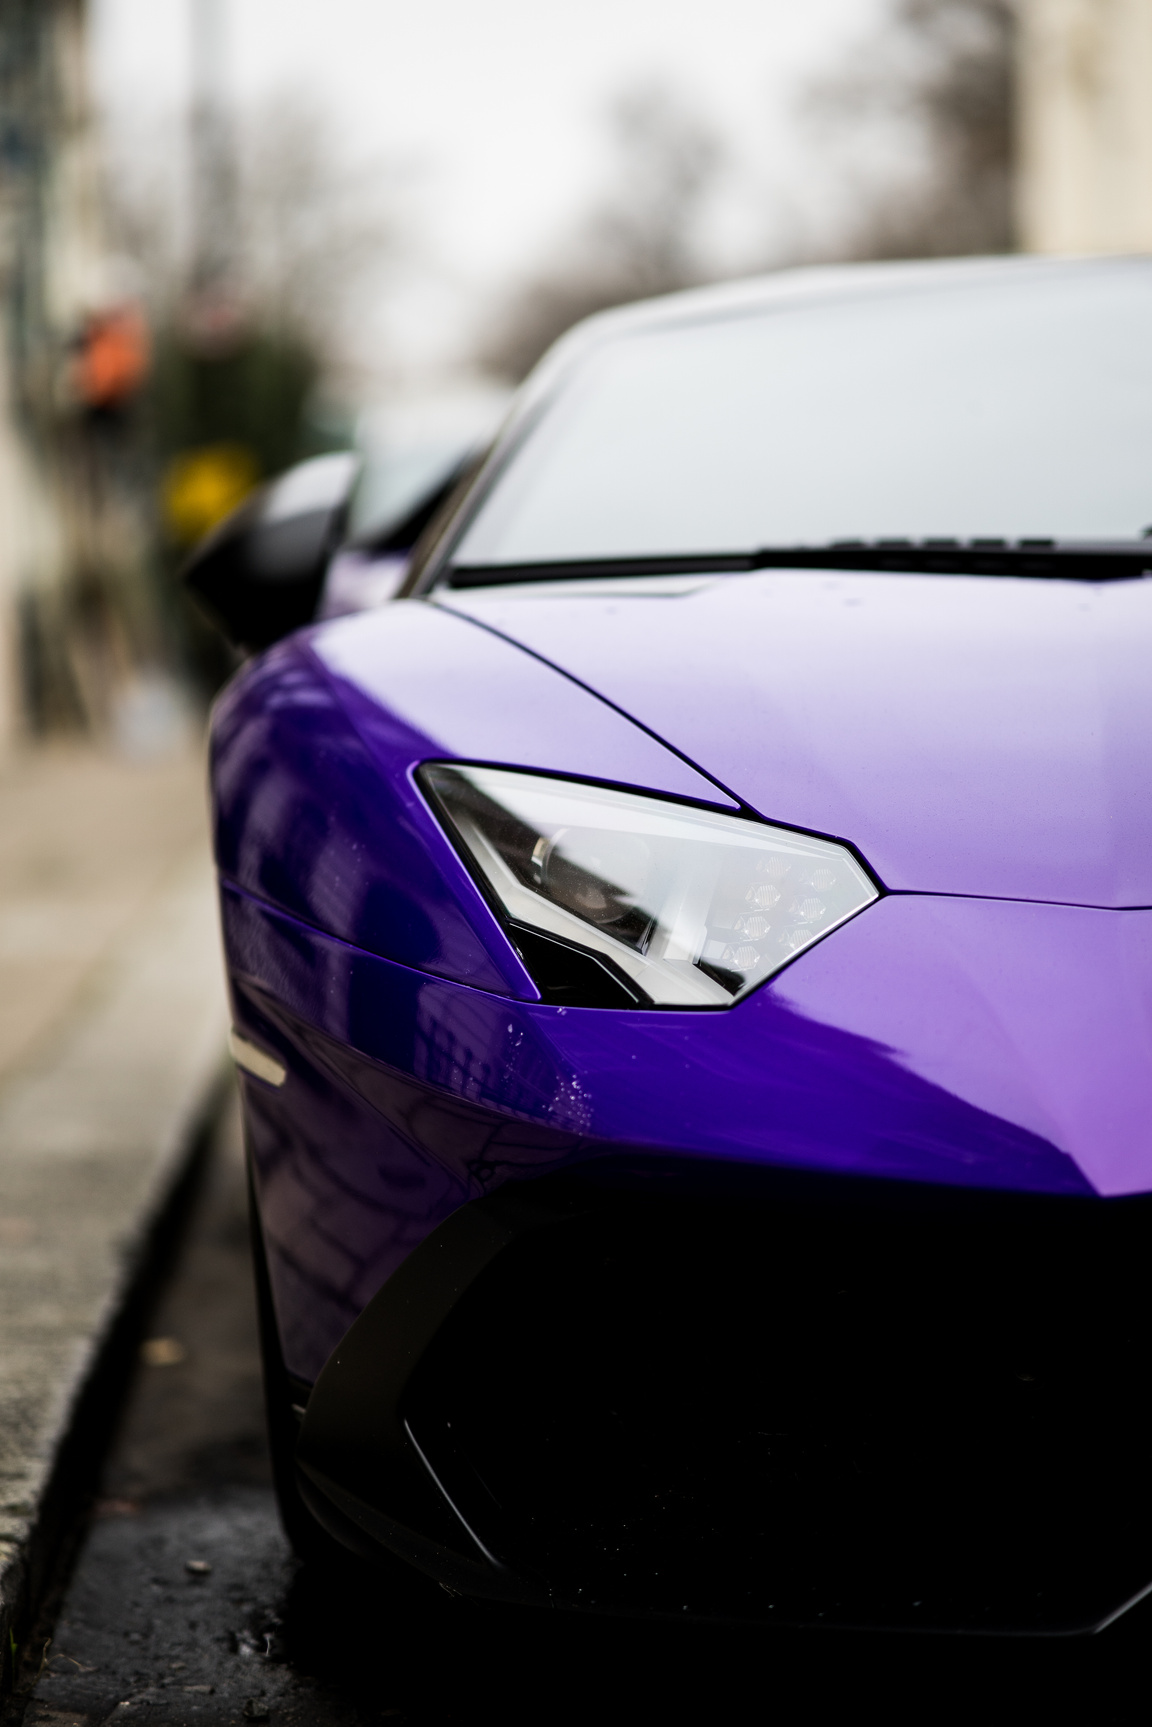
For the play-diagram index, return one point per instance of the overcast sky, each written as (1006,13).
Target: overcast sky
(495,106)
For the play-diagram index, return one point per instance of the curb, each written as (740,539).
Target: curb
(31,1576)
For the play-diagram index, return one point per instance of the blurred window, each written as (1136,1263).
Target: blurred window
(1016,406)
(393,482)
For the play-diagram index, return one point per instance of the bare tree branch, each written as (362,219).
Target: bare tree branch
(940,79)
(314,233)
(641,238)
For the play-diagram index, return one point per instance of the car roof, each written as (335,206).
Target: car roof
(805,286)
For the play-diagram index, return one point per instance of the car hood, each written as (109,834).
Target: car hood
(969,735)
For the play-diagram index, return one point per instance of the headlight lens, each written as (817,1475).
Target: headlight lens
(682,907)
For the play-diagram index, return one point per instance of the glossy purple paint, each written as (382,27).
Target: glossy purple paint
(984,736)
(480,700)
(961,1041)
(1040,1015)
(315,810)
(408,1095)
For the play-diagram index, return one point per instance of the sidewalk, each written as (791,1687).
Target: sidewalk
(86,839)
(112,1028)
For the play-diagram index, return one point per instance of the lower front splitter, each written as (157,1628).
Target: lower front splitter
(864,1404)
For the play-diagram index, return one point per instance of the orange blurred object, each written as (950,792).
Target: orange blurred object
(113,358)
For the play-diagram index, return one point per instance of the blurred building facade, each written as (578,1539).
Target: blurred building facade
(73,357)
(1084,170)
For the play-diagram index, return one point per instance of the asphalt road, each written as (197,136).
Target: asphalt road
(185,1608)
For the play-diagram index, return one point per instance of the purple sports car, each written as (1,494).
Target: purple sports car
(691,965)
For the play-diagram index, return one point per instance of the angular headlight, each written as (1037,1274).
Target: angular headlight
(615,898)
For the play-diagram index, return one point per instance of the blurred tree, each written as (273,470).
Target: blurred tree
(318,231)
(255,341)
(919,124)
(939,81)
(641,239)
(237,402)
(314,234)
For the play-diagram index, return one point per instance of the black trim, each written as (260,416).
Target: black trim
(354,1448)
(570,976)
(531,1417)
(1057,560)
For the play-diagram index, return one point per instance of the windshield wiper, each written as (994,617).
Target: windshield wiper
(1065,560)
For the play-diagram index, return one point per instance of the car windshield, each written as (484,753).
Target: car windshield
(1009,406)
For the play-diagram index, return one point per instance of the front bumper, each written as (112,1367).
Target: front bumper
(811,1311)
(778,1399)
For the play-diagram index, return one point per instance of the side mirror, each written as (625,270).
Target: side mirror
(260,573)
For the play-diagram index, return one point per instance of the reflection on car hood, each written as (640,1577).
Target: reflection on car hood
(971,735)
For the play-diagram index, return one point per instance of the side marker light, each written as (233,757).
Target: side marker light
(256,1061)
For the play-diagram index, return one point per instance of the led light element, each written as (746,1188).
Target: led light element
(672,905)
